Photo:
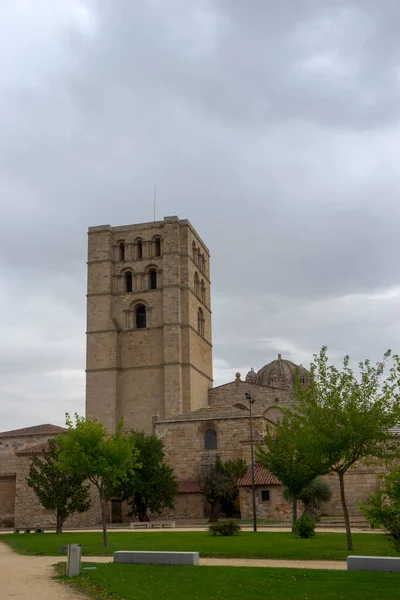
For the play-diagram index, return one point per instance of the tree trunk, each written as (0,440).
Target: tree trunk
(214,511)
(59,524)
(142,511)
(103,515)
(294,511)
(345,513)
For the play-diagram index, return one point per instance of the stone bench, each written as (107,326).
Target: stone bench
(373,563)
(138,557)
(36,529)
(151,524)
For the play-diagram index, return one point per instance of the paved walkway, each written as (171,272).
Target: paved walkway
(27,577)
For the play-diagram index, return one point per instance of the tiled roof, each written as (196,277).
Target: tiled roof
(211,413)
(6,475)
(46,429)
(33,450)
(261,477)
(188,487)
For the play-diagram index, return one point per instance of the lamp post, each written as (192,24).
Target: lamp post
(251,401)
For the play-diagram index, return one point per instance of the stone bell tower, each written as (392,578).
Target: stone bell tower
(149,351)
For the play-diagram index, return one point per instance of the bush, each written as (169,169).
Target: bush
(224,528)
(382,509)
(313,496)
(305,526)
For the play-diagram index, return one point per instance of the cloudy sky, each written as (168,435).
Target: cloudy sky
(274,127)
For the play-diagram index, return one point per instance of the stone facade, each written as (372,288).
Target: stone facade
(149,352)
(29,512)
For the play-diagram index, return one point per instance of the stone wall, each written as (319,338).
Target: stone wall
(184,442)
(29,512)
(359,482)
(276,508)
(7,501)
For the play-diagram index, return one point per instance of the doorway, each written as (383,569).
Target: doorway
(116,511)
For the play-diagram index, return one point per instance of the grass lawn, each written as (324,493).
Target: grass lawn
(146,582)
(247,544)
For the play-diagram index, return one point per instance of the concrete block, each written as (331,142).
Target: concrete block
(373,563)
(156,558)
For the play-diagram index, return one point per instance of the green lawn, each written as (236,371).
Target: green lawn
(147,582)
(246,544)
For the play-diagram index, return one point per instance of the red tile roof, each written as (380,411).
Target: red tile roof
(261,477)
(46,429)
(33,450)
(188,487)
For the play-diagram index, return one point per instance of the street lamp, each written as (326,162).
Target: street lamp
(251,401)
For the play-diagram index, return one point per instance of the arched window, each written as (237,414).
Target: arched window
(210,439)
(194,252)
(203,263)
(198,258)
(157,246)
(139,249)
(196,284)
(121,251)
(200,322)
(128,281)
(203,292)
(153,279)
(140,316)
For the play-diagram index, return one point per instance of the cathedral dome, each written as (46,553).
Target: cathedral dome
(252,377)
(281,373)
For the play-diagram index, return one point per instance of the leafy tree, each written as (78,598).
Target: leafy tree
(289,456)
(153,487)
(313,496)
(62,492)
(87,449)
(219,481)
(382,509)
(348,418)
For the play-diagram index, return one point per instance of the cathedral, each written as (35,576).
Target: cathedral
(149,362)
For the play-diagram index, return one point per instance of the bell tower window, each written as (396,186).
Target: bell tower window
(139,247)
(153,279)
(121,251)
(157,247)
(140,314)
(200,322)
(128,281)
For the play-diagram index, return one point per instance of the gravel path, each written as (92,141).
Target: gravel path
(29,577)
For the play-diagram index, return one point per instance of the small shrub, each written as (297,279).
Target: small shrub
(305,526)
(225,528)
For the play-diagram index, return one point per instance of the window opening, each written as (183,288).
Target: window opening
(153,279)
(128,281)
(141,317)
(140,249)
(210,439)
(157,248)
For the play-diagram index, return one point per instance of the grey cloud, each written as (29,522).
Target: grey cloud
(274,130)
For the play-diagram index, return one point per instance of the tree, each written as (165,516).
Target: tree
(60,491)
(289,456)
(382,509)
(87,449)
(348,418)
(153,487)
(313,496)
(219,481)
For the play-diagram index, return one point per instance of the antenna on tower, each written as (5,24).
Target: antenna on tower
(154,198)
